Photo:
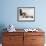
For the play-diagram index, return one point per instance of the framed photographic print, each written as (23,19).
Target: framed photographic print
(26,14)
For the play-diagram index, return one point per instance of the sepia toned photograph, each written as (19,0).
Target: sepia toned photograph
(26,14)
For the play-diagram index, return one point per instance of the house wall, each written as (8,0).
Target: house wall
(9,13)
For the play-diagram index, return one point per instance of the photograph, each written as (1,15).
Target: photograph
(26,14)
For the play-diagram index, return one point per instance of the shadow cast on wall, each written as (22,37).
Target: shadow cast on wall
(2,29)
